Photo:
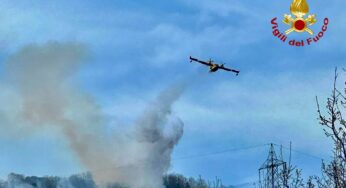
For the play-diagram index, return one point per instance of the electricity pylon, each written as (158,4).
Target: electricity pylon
(272,172)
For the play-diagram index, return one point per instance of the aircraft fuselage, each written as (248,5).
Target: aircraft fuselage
(213,68)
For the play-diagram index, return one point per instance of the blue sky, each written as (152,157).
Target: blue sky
(137,48)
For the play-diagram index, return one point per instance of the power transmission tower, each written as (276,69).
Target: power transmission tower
(271,173)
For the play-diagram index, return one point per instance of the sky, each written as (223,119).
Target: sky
(137,48)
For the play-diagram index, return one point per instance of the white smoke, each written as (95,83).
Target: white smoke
(39,79)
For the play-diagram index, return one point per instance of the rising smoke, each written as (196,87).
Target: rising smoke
(40,77)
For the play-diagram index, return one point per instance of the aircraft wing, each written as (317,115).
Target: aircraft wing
(199,61)
(231,70)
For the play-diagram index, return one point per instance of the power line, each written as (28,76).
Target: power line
(244,148)
(218,152)
(144,163)
(300,152)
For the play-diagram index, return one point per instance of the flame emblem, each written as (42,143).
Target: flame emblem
(299,9)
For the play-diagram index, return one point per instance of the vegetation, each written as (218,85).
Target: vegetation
(334,126)
(179,181)
(331,118)
(86,181)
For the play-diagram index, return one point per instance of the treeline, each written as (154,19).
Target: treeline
(74,181)
(86,181)
(179,181)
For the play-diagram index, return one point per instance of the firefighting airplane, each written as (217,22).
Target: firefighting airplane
(213,67)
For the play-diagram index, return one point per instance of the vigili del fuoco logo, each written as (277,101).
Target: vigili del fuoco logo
(299,21)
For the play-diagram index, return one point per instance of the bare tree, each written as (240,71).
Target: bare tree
(291,177)
(334,127)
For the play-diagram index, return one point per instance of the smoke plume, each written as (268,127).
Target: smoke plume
(40,88)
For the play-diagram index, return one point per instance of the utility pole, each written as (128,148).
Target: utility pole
(271,172)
